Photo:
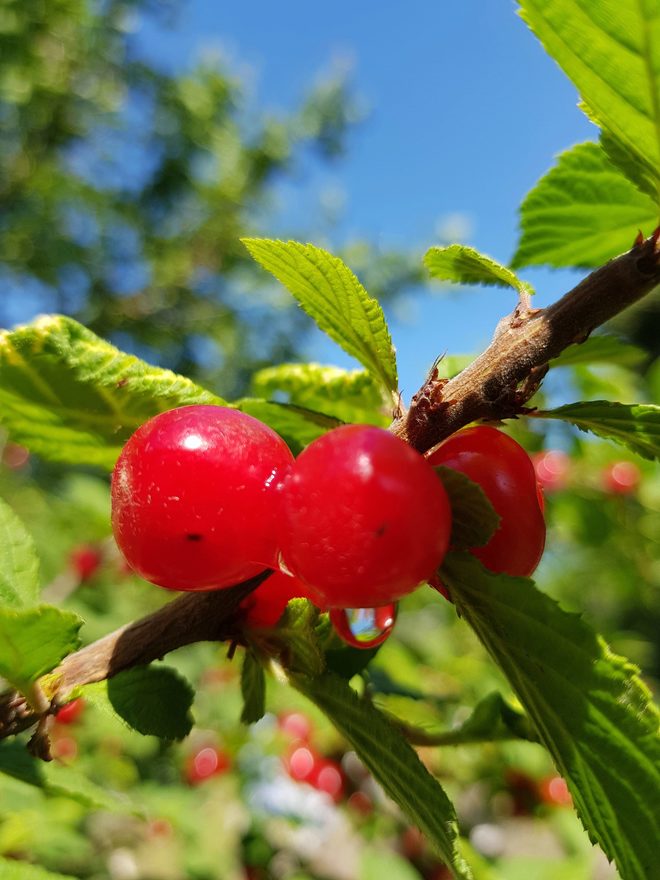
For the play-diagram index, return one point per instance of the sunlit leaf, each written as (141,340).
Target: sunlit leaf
(350,395)
(610,51)
(582,213)
(460,264)
(589,707)
(634,425)
(331,294)
(70,396)
(33,641)
(19,565)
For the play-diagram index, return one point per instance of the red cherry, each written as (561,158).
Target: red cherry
(552,469)
(554,791)
(621,478)
(301,763)
(70,712)
(160,828)
(205,763)
(14,456)
(363,518)
(505,472)
(85,561)
(364,627)
(193,497)
(327,776)
(64,749)
(265,606)
(296,725)
(361,803)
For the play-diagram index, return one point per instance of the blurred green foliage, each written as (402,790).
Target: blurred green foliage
(124,190)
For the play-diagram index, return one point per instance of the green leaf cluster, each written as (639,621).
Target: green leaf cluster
(591,205)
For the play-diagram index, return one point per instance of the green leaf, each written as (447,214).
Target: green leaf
(631,165)
(17,762)
(296,638)
(10,869)
(57,781)
(72,397)
(601,350)
(19,565)
(473,517)
(463,265)
(581,213)
(331,294)
(33,641)
(61,781)
(610,51)
(349,395)
(253,688)
(392,761)
(492,719)
(154,700)
(589,707)
(634,425)
(295,424)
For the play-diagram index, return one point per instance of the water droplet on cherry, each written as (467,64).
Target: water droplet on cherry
(364,627)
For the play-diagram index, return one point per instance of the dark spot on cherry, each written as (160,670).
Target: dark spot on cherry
(194,536)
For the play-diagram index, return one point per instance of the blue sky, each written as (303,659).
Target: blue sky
(466,112)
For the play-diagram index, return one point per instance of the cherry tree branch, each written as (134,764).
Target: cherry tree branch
(497,385)
(503,378)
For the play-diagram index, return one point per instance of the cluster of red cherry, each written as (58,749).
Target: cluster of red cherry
(204,497)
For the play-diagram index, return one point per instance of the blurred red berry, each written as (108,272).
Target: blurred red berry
(296,725)
(205,763)
(554,791)
(412,843)
(85,560)
(160,828)
(361,803)
(70,712)
(327,776)
(14,456)
(621,478)
(64,749)
(301,763)
(552,469)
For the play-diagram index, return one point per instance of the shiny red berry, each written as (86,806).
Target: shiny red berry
(193,497)
(506,474)
(363,518)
